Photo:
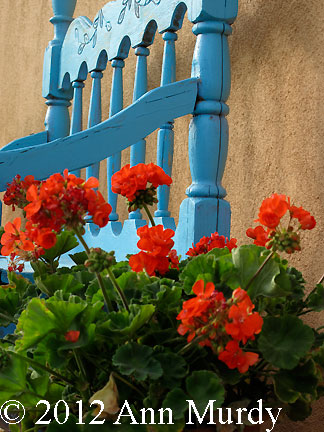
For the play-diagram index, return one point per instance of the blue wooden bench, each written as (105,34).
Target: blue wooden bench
(82,48)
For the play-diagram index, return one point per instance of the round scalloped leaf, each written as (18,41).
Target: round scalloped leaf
(302,381)
(176,400)
(174,368)
(203,386)
(137,360)
(272,281)
(285,340)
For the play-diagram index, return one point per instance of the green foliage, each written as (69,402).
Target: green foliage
(272,282)
(152,364)
(300,382)
(316,298)
(203,386)
(123,325)
(143,364)
(285,340)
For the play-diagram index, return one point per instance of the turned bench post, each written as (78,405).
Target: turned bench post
(205,210)
(57,121)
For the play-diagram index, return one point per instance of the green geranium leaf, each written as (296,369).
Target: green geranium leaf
(41,318)
(66,312)
(176,400)
(65,241)
(285,340)
(302,381)
(299,411)
(13,379)
(131,285)
(200,267)
(39,383)
(174,368)
(318,356)
(67,283)
(272,281)
(316,298)
(48,352)
(123,325)
(142,364)
(169,298)
(9,304)
(203,386)
(79,258)
(35,323)
(19,282)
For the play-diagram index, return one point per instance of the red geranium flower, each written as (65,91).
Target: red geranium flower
(259,234)
(132,182)
(272,210)
(244,323)
(156,255)
(206,244)
(16,191)
(275,237)
(203,315)
(306,220)
(234,357)
(72,336)
(64,201)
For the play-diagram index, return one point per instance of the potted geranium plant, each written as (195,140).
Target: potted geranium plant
(153,343)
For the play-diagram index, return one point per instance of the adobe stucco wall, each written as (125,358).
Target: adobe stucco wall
(276,119)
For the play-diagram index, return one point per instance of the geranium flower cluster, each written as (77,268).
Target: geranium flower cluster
(157,255)
(271,234)
(206,244)
(223,325)
(61,201)
(15,194)
(132,183)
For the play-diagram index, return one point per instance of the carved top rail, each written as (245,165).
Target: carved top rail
(121,24)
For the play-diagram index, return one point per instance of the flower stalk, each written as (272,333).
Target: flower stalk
(98,275)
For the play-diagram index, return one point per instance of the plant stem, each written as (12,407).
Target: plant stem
(118,289)
(40,366)
(305,312)
(80,364)
(120,378)
(8,317)
(149,214)
(192,343)
(104,292)
(321,280)
(259,271)
(98,275)
(83,374)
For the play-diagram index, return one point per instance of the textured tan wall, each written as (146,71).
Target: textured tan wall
(276,119)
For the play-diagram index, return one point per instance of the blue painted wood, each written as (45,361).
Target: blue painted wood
(116,105)
(138,150)
(57,121)
(30,140)
(76,119)
(122,23)
(94,115)
(165,142)
(205,210)
(105,139)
